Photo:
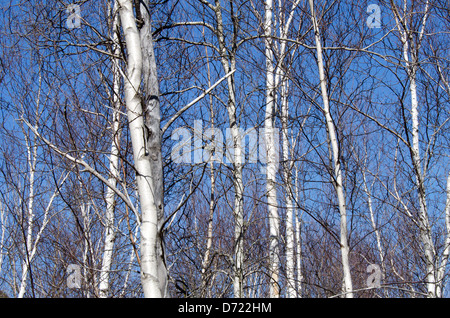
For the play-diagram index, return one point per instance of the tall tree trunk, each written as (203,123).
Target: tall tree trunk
(446,253)
(2,229)
(229,65)
(26,264)
(276,76)
(337,175)
(89,278)
(271,191)
(298,236)
(145,158)
(153,137)
(113,163)
(425,228)
(287,176)
(212,200)
(410,56)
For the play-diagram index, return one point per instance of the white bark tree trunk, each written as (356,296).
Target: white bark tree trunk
(149,228)
(281,79)
(337,176)
(287,170)
(31,245)
(373,222)
(410,56)
(88,253)
(446,253)
(212,199)
(276,76)
(229,65)
(298,236)
(110,232)
(32,165)
(2,229)
(271,170)
(153,137)
(425,228)
(31,160)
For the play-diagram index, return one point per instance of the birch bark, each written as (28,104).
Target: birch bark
(271,169)
(212,200)
(150,203)
(282,80)
(229,65)
(337,171)
(410,57)
(2,229)
(31,160)
(152,134)
(446,253)
(113,164)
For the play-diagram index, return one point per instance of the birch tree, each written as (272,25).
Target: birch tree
(146,151)
(336,161)
(271,167)
(228,61)
(411,52)
(282,83)
(114,161)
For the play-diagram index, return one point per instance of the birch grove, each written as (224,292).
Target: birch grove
(217,149)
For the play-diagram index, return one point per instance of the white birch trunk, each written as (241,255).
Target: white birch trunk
(281,77)
(298,237)
(424,222)
(88,278)
(411,70)
(3,229)
(31,159)
(287,169)
(230,66)
(425,229)
(149,211)
(374,226)
(209,233)
(373,222)
(446,253)
(271,191)
(298,244)
(337,177)
(154,141)
(113,165)
(212,200)
(32,246)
